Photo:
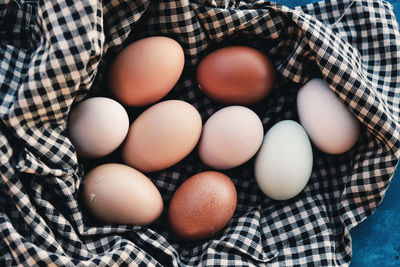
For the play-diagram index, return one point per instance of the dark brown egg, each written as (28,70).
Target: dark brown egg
(236,75)
(202,206)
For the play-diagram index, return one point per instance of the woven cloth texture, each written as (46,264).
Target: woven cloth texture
(55,53)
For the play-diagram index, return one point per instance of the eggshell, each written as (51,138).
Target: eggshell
(331,126)
(231,136)
(202,206)
(146,70)
(97,126)
(236,75)
(116,193)
(162,135)
(284,163)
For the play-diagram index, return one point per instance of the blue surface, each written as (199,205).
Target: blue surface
(376,241)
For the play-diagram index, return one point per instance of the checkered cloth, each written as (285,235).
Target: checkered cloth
(55,53)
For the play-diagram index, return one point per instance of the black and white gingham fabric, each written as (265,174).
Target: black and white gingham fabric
(55,53)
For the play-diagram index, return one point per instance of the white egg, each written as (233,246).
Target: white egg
(330,125)
(97,126)
(283,164)
(230,137)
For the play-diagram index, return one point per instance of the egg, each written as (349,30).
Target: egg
(236,75)
(231,136)
(146,70)
(97,126)
(284,163)
(162,136)
(202,206)
(331,126)
(118,194)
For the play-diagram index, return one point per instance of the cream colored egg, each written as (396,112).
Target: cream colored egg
(97,126)
(331,126)
(284,163)
(116,193)
(231,136)
(162,136)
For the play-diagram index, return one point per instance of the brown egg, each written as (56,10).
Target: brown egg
(116,193)
(202,206)
(162,136)
(236,75)
(146,70)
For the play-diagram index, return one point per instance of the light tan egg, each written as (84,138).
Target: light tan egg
(162,136)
